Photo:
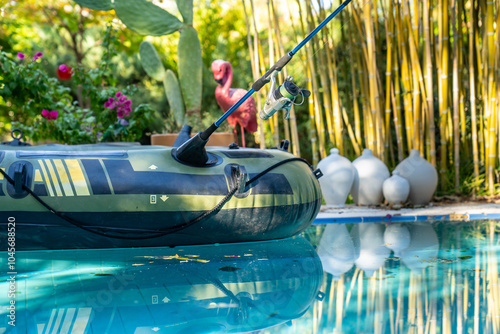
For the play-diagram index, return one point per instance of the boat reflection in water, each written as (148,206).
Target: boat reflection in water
(194,289)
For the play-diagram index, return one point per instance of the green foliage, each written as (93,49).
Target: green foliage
(27,90)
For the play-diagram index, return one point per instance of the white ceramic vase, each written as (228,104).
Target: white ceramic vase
(423,248)
(336,250)
(336,182)
(370,174)
(396,190)
(421,175)
(369,243)
(397,238)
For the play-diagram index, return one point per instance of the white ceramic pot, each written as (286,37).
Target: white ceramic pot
(423,248)
(336,250)
(396,190)
(397,238)
(421,175)
(369,243)
(336,182)
(370,174)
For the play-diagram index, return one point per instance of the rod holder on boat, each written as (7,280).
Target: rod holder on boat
(193,151)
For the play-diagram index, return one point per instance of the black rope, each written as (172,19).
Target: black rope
(160,232)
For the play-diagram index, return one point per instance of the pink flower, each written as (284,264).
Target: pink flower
(52,115)
(63,68)
(110,103)
(122,98)
(37,55)
(118,94)
(20,55)
(120,112)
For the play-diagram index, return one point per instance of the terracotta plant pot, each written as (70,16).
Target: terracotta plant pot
(216,139)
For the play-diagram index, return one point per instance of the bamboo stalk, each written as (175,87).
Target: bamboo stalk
(456,96)
(472,87)
(258,62)
(312,117)
(444,61)
(388,79)
(378,146)
(427,39)
(356,111)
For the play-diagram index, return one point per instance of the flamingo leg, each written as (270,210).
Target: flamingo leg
(235,135)
(242,135)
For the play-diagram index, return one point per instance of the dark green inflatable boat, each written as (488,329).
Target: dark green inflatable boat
(98,196)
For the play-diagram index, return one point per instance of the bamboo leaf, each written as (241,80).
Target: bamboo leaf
(145,18)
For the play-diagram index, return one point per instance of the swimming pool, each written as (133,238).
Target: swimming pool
(411,277)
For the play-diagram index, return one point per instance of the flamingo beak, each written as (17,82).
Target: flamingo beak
(219,81)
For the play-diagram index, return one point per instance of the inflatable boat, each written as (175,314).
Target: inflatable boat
(119,195)
(231,288)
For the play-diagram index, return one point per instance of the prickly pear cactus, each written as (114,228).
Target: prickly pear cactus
(174,96)
(190,69)
(104,5)
(150,61)
(145,18)
(186,9)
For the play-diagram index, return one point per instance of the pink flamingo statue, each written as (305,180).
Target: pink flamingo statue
(246,114)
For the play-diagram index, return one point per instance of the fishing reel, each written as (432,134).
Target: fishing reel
(282,97)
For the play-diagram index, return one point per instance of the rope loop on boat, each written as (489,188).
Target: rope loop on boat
(160,232)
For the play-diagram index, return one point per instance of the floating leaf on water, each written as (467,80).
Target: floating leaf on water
(229,268)
(465,257)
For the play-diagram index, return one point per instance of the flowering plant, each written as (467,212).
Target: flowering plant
(45,109)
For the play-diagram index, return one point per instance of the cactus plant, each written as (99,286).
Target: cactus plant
(145,18)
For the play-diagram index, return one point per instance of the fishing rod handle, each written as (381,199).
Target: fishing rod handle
(263,80)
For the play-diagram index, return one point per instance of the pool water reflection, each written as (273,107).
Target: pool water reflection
(418,277)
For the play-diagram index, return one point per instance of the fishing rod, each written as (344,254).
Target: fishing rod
(193,150)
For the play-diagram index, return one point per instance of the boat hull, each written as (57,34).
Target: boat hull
(118,196)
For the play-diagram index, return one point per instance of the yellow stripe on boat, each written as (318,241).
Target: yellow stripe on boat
(53,175)
(63,177)
(76,174)
(1,175)
(46,176)
(38,176)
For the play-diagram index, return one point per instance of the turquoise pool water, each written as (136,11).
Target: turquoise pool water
(419,277)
